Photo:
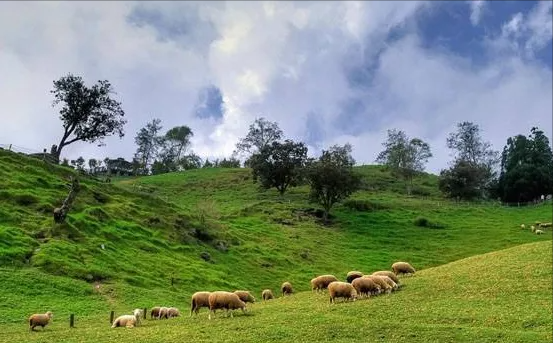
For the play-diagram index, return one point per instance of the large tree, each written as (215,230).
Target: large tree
(261,133)
(526,168)
(279,165)
(472,171)
(404,156)
(178,140)
(148,143)
(89,114)
(331,178)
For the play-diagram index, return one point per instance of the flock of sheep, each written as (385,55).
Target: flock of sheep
(357,285)
(534,228)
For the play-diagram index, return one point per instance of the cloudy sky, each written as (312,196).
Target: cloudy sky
(327,72)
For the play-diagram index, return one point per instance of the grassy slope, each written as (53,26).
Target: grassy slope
(151,235)
(503,296)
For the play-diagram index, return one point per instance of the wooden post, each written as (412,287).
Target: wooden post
(71,320)
(172,281)
(145,311)
(111,316)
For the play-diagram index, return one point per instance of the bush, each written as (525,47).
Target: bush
(25,199)
(425,222)
(363,205)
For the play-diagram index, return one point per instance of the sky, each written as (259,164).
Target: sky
(327,72)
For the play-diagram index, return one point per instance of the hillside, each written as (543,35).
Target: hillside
(503,296)
(155,230)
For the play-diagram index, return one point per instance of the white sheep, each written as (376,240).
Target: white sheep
(522,226)
(539,232)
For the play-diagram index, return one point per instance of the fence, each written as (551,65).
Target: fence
(43,155)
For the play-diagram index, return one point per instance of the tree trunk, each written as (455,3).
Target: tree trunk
(61,212)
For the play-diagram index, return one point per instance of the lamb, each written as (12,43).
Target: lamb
(245,296)
(199,300)
(321,282)
(533,228)
(353,275)
(522,226)
(286,288)
(173,312)
(402,268)
(539,232)
(40,319)
(388,274)
(339,289)
(128,320)
(226,300)
(267,294)
(384,286)
(365,286)
(138,314)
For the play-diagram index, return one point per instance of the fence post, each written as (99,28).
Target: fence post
(145,311)
(112,314)
(71,320)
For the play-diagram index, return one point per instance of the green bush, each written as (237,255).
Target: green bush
(364,205)
(425,222)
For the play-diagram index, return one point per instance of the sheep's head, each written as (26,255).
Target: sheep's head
(354,294)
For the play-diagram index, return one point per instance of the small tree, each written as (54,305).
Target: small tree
(331,177)
(279,165)
(404,156)
(88,114)
(261,133)
(79,163)
(230,163)
(178,140)
(148,141)
(463,180)
(92,165)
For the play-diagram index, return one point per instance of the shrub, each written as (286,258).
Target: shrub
(425,222)
(364,205)
(25,199)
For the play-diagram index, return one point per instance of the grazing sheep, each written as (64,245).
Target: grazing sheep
(533,228)
(245,296)
(173,312)
(522,226)
(154,312)
(353,275)
(162,313)
(286,288)
(389,281)
(539,232)
(267,294)
(138,314)
(402,268)
(537,223)
(339,289)
(199,300)
(40,319)
(127,320)
(226,300)
(321,282)
(388,274)
(546,225)
(365,286)
(384,286)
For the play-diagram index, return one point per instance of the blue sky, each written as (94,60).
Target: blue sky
(327,72)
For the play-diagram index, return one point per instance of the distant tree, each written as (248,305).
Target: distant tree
(79,163)
(261,133)
(65,162)
(178,140)
(526,168)
(148,142)
(92,165)
(331,177)
(191,161)
(89,114)
(404,156)
(472,172)
(207,164)
(229,163)
(279,165)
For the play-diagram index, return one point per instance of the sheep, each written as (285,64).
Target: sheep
(353,275)
(245,296)
(388,274)
(173,312)
(138,314)
(128,320)
(162,313)
(339,289)
(286,288)
(539,232)
(384,287)
(321,282)
(40,319)
(154,312)
(533,228)
(199,300)
(403,268)
(389,281)
(522,226)
(226,300)
(546,225)
(267,294)
(365,286)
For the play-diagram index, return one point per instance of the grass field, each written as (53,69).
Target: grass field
(155,230)
(503,296)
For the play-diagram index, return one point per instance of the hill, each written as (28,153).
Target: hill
(156,240)
(503,296)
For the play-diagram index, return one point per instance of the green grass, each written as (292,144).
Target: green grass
(503,296)
(155,229)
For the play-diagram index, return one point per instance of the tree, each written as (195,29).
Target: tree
(331,178)
(230,163)
(178,140)
(404,156)
(191,161)
(148,141)
(279,165)
(472,172)
(207,164)
(79,163)
(89,114)
(92,165)
(261,133)
(526,168)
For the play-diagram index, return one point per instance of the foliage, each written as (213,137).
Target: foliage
(464,180)
(89,114)
(526,168)
(148,143)
(469,146)
(178,141)
(279,165)
(261,133)
(404,156)
(425,222)
(331,177)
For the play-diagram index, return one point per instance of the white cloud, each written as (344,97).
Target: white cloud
(476,8)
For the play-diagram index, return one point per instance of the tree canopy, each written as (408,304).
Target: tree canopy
(260,134)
